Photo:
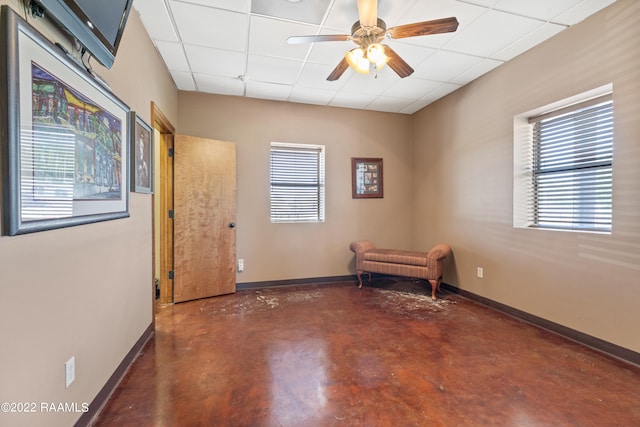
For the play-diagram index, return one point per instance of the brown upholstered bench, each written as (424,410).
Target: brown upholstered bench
(399,262)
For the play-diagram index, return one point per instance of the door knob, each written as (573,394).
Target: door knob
(232,224)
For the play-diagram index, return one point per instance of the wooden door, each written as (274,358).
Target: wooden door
(204,220)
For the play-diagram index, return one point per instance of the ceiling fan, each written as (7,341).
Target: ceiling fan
(368,32)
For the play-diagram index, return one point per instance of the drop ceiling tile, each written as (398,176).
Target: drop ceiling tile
(491,33)
(390,104)
(483,3)
(352,99)
(268,37)
(315,76)
(415,106)
(370,83)
(309,95)
(428,10)
(528,41)
(183,80)
(173,55)
(582,11)
(342,15)
(156,20)
(205,26)
(219,85)
(204,60)
(412,87)
(273,70)
(311,12)
(443,90)
(271,91)
(540,9)
(476,71)
(442,66)
(235,5)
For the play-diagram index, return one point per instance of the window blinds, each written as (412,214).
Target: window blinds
(297,183)
(572,167)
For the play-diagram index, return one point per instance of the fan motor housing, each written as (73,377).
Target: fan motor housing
(366,36)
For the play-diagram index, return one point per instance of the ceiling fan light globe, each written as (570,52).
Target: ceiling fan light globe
(376,55)
(382,62)
(357,60)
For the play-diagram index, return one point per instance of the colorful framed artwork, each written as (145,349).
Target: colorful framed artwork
(65,136)
(366,178)
(141,155)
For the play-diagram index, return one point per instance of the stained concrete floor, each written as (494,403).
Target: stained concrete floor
(383,355)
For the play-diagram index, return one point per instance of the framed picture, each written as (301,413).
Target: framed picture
(366,178)
(65,147)
(141,155)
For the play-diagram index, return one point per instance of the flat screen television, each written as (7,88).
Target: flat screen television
(97,24)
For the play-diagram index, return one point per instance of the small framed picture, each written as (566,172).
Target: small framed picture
(366,178)
(141,155)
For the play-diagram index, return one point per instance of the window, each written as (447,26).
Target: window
(571,167)
(297,182)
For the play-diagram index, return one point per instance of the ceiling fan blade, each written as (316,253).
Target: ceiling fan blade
(397,64)
(368,13)
(339,70)
(318,38)
(437,26)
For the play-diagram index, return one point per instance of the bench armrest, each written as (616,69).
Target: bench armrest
(361,246)
(440,251)
(435,259)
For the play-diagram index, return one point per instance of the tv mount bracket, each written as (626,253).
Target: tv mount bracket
(36,10)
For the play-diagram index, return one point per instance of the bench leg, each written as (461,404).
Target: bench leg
(435,285)
(359,272)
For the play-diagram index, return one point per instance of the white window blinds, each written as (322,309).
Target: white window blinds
(297,183)
(572,167)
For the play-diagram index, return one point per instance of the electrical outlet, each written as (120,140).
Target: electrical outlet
(240,265)
(480,272)
(70,371)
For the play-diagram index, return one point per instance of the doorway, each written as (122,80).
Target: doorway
(194,215)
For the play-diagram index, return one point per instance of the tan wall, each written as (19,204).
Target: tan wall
(86,291)
(587,282)
(289,251)
(83,291)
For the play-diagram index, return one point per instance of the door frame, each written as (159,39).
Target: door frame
(161,123)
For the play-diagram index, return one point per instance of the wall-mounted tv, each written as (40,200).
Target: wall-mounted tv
(97,24)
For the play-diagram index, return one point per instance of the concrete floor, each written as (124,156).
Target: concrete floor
(383,355)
